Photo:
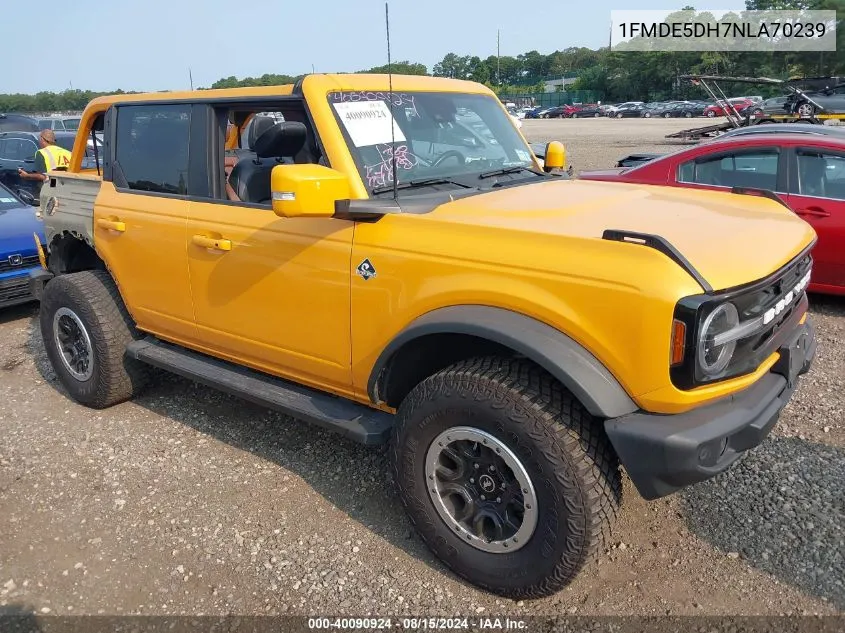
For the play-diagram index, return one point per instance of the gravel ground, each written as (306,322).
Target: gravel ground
(187,501)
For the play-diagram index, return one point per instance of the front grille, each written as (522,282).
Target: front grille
(763,302)
(26,262)
(758,301)
(14,289)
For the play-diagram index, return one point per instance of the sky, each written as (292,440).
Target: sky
(150,45)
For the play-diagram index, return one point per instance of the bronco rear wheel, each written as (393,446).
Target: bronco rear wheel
(86,329)
(505,476)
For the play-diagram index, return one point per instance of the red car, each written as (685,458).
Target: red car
(806,172)
(721,108)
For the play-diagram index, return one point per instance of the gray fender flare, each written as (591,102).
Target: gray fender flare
(564,358)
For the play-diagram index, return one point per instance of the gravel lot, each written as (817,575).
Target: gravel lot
(189,501)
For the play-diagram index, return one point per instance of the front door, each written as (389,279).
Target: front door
(140,214)
(271,292)
(817,194)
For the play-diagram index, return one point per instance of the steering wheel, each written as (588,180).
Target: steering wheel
(452,153)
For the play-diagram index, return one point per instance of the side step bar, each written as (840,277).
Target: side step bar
(355,421)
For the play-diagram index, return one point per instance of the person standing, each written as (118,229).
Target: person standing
(49,157)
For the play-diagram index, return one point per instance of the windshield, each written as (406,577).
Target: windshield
(440,135)
(8,199)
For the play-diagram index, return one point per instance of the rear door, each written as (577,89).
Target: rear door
(817,194)
(141,211)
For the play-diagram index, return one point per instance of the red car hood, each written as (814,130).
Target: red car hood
(603,174)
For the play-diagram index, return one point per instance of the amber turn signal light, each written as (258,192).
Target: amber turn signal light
(679,336)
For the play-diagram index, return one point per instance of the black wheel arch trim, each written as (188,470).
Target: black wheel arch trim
(563,357)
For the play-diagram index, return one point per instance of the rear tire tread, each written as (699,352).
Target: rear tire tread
(99,304)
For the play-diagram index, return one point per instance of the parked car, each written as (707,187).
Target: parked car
(587,110)
(665,110)
(537,113)
(806,172)
(632,160)
(558,112)
(721,108)
(630,110)
(688,109)
(17,150)
(789,128)
(775,105)
(17,122)
(18,253)
(827,101)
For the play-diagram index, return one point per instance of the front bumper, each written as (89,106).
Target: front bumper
(16,290)
(38,277)
(663,453)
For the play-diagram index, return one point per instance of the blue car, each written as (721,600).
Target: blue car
(18,252)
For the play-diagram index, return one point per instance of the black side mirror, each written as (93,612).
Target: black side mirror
(28,198)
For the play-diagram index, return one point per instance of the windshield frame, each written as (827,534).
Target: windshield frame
(461,178)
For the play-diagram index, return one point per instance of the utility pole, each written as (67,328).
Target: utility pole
(191,78)
(498,54)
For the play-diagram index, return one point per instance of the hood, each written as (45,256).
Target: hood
(603,174)
(730,239)
(17,225)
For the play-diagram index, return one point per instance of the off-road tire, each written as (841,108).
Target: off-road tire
(572,466)
(95,299)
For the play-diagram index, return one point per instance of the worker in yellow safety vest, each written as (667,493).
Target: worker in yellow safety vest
(49,157)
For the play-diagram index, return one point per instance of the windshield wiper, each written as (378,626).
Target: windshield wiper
(507,170)
(420,182)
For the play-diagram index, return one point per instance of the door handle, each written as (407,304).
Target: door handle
(111,225)
(816,212)
(212,243)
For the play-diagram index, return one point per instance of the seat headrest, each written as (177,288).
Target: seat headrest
(260,124)
(284,139)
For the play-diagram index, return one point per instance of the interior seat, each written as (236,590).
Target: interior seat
(278,144)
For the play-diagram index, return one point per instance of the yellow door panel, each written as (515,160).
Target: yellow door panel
(142,240)
(273,292)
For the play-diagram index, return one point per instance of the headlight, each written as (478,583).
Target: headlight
(713,357)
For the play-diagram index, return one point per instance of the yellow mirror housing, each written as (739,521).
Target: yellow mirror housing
(307,191)
(555,157)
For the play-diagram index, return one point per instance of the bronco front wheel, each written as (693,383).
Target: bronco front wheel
(505,476)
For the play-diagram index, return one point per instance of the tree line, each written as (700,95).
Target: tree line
(611,74)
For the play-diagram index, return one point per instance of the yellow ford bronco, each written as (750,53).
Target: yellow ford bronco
(388,259)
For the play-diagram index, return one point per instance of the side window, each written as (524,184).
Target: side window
(4,144)
(821,174)
(19,149)
(151,149)
(746,169)
(27,149)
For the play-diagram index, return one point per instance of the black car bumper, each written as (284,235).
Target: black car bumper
(37,278)
(663,453)
(15,290)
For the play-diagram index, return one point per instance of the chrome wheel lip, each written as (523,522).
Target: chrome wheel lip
(530,506)
(64,355)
